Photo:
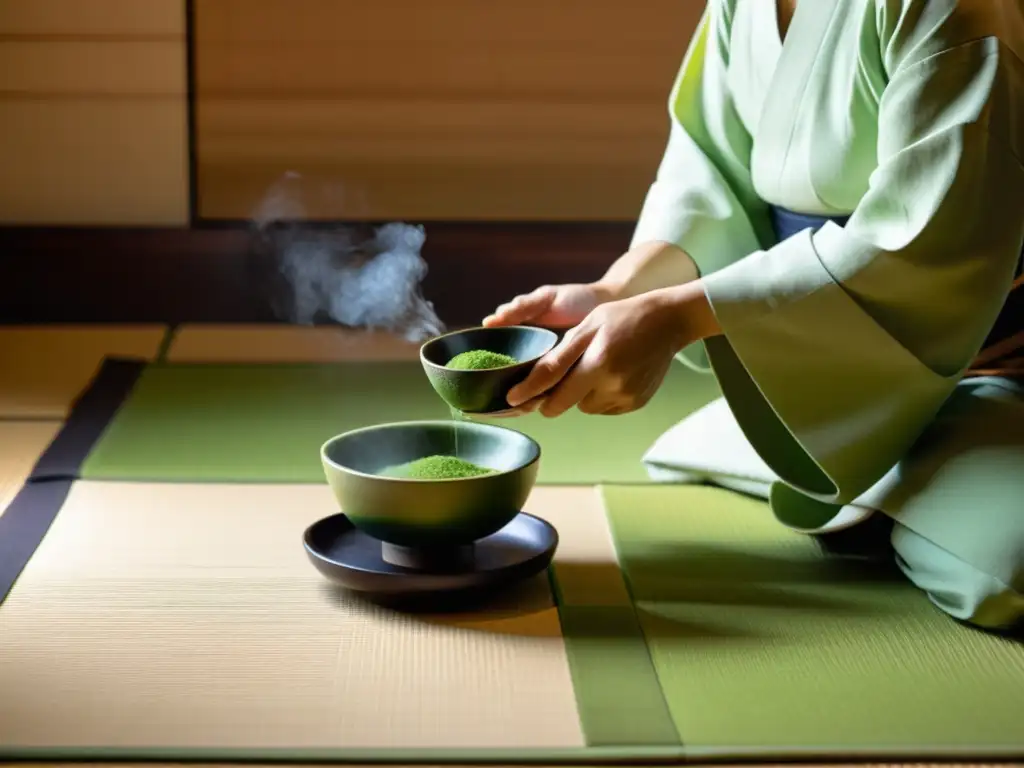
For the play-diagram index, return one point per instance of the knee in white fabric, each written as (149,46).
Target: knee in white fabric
(960,589)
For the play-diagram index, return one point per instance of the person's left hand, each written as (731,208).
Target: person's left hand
(614,361)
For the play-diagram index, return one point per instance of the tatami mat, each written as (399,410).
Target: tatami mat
(285,344)
(250,423)
(21,444)
(766,646)
(44,368)
(184,619)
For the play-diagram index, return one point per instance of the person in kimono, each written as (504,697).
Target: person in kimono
(835,231)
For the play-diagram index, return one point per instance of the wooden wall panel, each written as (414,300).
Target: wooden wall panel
(93,112)
(448,109)
(96,18)
(85,68)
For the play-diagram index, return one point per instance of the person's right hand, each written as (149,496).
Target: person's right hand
(552,306)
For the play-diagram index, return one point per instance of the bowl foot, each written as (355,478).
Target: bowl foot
(429,559)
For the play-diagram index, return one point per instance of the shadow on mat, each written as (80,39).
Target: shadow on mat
(720,575)
(525,610)
(773,574)
(709,577)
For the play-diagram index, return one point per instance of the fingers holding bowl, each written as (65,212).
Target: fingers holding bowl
(509,413)
(522,309)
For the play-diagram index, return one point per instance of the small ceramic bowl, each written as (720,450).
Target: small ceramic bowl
(430,514)
(484,391)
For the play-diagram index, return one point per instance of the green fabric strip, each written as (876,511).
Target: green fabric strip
(266,423)
(617,690)
(618,695)
(767,646)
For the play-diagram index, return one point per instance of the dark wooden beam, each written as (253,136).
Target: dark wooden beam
(221,274)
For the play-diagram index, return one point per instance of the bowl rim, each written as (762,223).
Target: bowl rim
(531,328)
(419,423)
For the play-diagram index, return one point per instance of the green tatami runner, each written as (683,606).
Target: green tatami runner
(266,423)
(764,646)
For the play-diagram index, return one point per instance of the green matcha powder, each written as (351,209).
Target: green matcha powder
(436,468)
(479,359)
(452,467)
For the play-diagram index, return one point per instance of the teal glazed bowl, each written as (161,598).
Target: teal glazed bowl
(484,391)
(430,514)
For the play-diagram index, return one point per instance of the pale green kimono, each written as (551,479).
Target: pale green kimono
(843,350)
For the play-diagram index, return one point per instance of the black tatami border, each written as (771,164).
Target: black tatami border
(28,518)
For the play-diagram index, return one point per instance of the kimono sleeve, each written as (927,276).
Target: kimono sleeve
(839,347)
(702,198)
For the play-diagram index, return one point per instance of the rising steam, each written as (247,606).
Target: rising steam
(371,282)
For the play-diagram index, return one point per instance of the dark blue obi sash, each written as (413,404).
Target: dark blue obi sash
(787,223)
(1003,351)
